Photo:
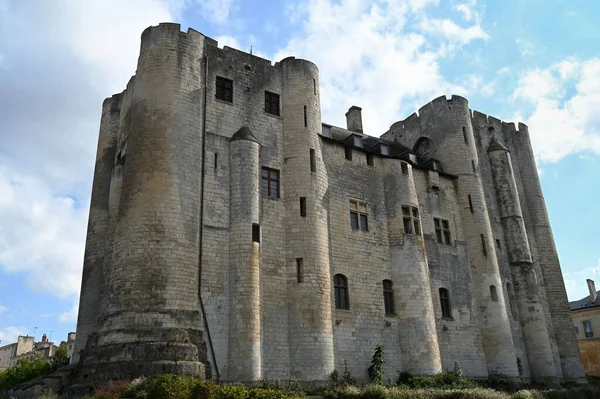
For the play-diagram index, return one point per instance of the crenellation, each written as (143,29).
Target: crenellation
(196,229)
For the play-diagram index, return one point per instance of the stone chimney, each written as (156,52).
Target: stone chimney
(44,339)
(354,119)
(592,289)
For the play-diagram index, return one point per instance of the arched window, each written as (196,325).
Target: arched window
(445,303)
(340,284)
(493,293)
(388,297)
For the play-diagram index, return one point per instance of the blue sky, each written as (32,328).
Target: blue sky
(534,61)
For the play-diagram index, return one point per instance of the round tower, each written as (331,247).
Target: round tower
(414,306)
(311,343)
(152,321)
(97,233)
(531,312)
(448,124)
(562,321)
(244,257)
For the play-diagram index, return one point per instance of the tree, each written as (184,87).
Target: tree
(61,357)
(24,370)
(376,368)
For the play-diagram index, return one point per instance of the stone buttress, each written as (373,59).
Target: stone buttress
(244,257)
(531,312)
(410,272)
(151,320)
(310,301)
(560,314)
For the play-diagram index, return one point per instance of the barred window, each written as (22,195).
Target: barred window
(442,231)
(388,297)
(224,89)
(269,183)
(359,219)
(410,218)
(340,284)
(271,103)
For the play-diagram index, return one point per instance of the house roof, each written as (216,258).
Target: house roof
(585,303)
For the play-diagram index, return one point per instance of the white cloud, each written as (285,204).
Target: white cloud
(218,12)
(575,282)
(383,56)
(468,10)
(563,100)
(9,335)
(70,316)
(3,309)
(525,46)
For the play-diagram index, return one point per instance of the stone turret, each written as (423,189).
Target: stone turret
(244,246)
(311,343)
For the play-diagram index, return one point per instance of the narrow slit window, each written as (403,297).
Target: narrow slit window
(313,160)
(498,244)
(256,233)
(388,298)
(470,203)
(305,117)
(473,166)
(493,293)
(348,153)
(300,269)
(483,245)
(464,130)
(303,206)
(404,167)
(315,86)
(370,159)
(216,160)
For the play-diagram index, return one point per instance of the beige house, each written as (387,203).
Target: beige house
(23,345)
(586,317)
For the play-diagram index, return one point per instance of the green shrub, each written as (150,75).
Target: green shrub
(206,390)
(164,386)
(271,393)
(233,392)
(374,392)
(24,370)
(343,392)
(111,390)
(376,368)
(448,380)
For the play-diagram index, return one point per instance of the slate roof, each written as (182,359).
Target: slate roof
(585,303)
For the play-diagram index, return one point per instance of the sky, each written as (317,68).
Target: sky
(534,61)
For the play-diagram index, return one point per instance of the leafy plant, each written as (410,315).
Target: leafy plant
(347,378)
(60,358)
(376,367)
(24,370)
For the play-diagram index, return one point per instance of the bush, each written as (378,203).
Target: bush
(164,386)
(233,392)
(448,380)
(111,390)
(24,370)
(206,390)
(376,368)
(374,392)
(344,392)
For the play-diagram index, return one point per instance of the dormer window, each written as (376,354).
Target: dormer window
(385,150)
(357,141)
(412,158)
(326,131)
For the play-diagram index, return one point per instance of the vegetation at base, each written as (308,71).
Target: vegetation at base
(449,380)
(23,371)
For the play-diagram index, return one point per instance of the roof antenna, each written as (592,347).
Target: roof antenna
(250,50)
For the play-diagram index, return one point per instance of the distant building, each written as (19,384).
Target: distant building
(71,343)
(43,350)
(23,345)
(586,317)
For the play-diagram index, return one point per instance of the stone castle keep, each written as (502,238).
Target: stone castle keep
(232,234)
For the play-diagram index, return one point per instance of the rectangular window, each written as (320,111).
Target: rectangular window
(305,117)
(216,160)
(300,269)
(315,86)
(483,245)
(464,129)
(370,159)
(224,89)
(256,233)
(385,150)
(498,244)
(357,140)
(271,103)
(404,167)
(269,183)
(473,166)
(313,160)
(348,153)
(442,231)
(359,219)
(303,206)
(587,329)
(410,219)
(388,298)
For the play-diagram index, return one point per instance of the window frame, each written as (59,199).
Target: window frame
(586,333)
(388,298)
(442,231)
(360,213)
(341,294)
(411,220)
(224,89)
(271,181)
(272,103)
(445,303)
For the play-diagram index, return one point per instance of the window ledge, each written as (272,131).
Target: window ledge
(272,115)
(448,318)
(223,101)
